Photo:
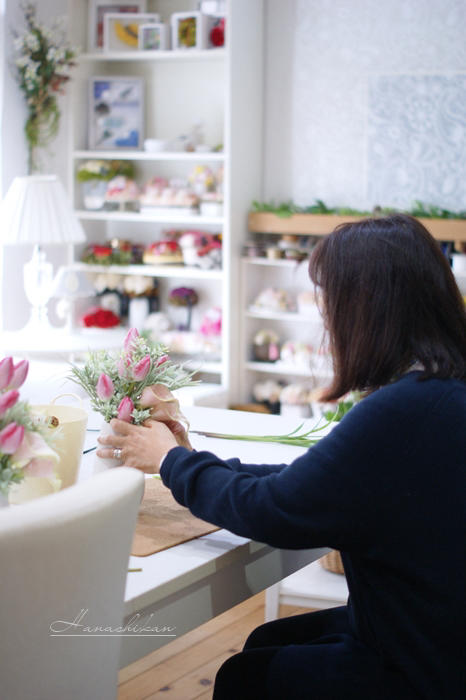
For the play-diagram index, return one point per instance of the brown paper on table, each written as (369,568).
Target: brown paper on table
(164,523)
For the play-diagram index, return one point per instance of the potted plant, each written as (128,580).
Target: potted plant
(94,176)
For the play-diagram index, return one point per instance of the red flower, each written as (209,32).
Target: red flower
(101,251)
(100,318)
(217,35)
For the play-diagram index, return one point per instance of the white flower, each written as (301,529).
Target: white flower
(32,42)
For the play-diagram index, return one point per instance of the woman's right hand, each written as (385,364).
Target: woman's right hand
(166,409)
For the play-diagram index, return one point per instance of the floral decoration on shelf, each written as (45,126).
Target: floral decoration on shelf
(97,317)
(25,439)
(104,170)
(43,65)
(115,381)
(187,297)
(96,254)
(419,209)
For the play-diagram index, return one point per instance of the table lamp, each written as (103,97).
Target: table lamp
(36,211)
(68,286)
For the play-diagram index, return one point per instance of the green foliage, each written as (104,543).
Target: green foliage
(287,209)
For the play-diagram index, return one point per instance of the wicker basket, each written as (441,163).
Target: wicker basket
(332,562)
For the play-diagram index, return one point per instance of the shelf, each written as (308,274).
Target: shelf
(181,156)
(283,316)
(280,262)
(323,224)
(153,271)
(129,216)
(162,56)
(281,368)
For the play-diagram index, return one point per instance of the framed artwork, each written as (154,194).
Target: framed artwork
(153,37)
(121,30)
(188,30)
(97,11)
(116,113)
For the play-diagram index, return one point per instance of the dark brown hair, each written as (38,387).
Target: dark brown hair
(389,299)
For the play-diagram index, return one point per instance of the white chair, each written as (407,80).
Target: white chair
(310,587)
(64,558)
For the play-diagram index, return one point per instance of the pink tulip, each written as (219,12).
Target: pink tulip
(11,438)
(131,336)
(35,456)
(104,387)
(125,409)
(141,369)
(6,372)
(7,400)
(161,360)
(122,367)
(20,372)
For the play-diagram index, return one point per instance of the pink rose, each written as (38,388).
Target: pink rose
(131,336)
(7,400)
(125,409)
(104,387)
(35,456)
(6,372)
(20,372)
(11,438)
(141,369)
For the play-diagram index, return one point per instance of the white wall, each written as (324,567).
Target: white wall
(371,97)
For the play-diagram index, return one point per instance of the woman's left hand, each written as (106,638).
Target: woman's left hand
(142,446)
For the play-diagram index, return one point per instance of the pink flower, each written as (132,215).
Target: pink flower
(104,387)
(35,456)
(6,372)
(7,400)
(141,369)
(11,438)
(131,336)
(122,366)
(20,372)
(161,360)
(125,409)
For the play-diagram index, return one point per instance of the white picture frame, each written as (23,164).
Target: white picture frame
(116,113)
(153,37)
(188,30)
(121,30)
(96,15)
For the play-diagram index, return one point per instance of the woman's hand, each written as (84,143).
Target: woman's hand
(166,409)
(142,446)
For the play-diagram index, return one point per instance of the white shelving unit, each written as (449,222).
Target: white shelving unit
(222,88)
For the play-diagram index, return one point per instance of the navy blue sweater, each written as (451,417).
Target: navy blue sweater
(387,487)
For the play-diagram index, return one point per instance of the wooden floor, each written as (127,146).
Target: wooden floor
(185,669)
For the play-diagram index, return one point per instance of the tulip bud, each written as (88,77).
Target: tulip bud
(11,438)
(161,360)
(141,369)
(122,367)
(6,372)
(125,409)
(104,387)
(7,400)
(20,372)
(131,336)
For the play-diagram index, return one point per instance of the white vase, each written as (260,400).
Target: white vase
(101,464)
(3,501)
(94,194)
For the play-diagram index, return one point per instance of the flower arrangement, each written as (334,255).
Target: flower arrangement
(97,317)
(25,439)
(43,68)
(104,170)
(115,381)
(95,254)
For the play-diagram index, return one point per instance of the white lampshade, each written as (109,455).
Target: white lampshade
(36,211)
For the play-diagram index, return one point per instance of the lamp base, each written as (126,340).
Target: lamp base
(38,277)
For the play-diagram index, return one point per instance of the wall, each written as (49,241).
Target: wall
(371,97)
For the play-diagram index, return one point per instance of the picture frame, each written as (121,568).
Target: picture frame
(188,30)
(153,37)
(121,30)
(116,113)
(96,15)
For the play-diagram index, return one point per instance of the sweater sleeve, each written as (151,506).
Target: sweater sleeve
(323,498)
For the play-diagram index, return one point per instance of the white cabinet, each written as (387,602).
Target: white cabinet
(222,88)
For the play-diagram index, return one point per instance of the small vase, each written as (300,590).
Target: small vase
(94,194)
(101,464)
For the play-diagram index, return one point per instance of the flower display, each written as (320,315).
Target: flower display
(115,381)
(104,170)
(100,318)
(25,439)
(43,67)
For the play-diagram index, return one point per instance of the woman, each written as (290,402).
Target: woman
(386,487)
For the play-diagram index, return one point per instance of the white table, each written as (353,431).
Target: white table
(185,586)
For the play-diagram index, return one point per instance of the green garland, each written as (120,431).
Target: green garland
(419,209)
